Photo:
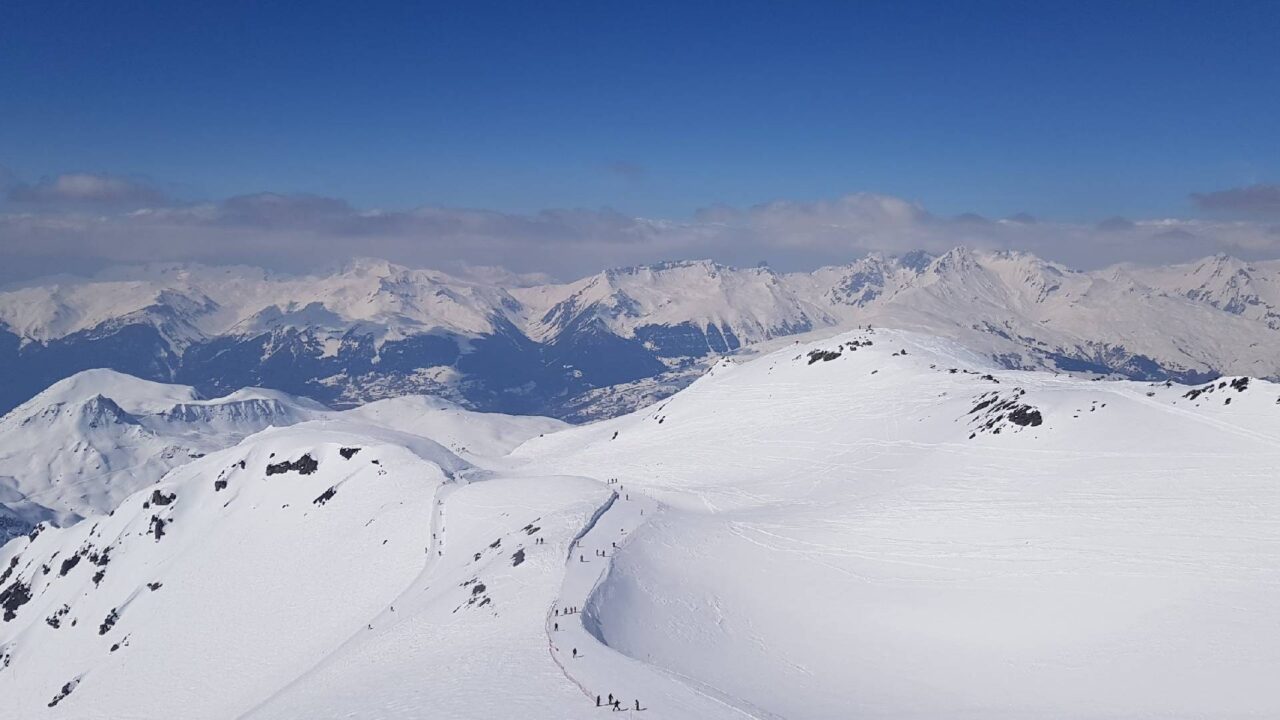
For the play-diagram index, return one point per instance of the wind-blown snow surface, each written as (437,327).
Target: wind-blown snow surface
(875,525)
(834,543)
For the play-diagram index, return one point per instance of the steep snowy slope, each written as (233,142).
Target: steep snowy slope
(1028,313)
(849,530)
(202,595)
(679,309)
(91,440)
(1251,290)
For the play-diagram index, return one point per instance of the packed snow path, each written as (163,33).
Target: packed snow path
(576,641)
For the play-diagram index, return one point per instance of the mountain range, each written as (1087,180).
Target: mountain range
(879,523)
(612,342)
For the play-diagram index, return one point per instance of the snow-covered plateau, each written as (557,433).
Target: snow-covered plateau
(882,523)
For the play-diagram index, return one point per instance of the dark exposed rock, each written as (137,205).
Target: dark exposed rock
(1194,393)
(64,692)
(68,564)
(304,465)
(348,452)
(325,496)
(13,597)
(157,527)
(219,485)
(55,620)
(517,557)
(153,586)
(1025,416)
(823,355)
(993,411)
(13,563)
(109,622)
(159,498)
(983,405)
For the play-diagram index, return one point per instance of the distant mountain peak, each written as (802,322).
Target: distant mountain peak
(372,329)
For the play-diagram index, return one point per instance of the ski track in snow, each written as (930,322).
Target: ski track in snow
(597,665)
(387,615)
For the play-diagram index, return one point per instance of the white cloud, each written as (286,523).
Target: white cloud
(87,188)
(1261,200)
(303,232)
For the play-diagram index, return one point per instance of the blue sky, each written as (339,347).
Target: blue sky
(1071,112)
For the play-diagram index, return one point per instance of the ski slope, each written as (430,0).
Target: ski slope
(834,543)
(877,524)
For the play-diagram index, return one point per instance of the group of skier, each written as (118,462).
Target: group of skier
(614,703)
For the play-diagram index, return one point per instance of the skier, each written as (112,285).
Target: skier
(575,652)
(597,701)
(637,704)
(557,627)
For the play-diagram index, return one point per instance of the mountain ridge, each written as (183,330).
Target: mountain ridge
(370,329)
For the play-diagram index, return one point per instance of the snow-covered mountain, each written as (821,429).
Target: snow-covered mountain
(598,346)
(1027,313)
(89,441)
(880,523)
(678,310)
